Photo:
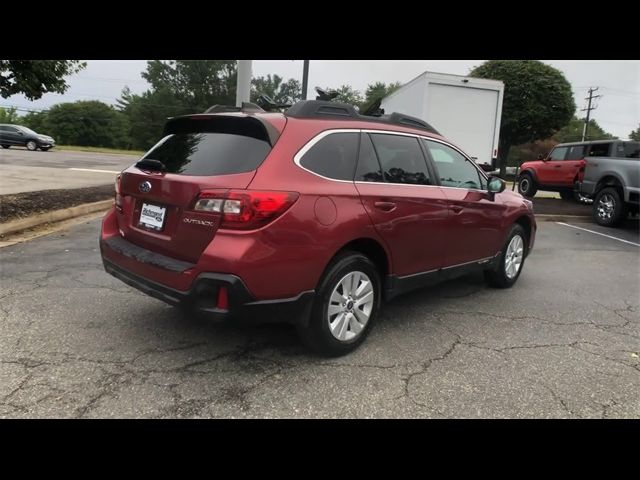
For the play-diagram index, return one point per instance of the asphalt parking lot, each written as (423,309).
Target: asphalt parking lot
(25,171)
(563,343)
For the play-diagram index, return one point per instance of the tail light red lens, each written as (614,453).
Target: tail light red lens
(581,170)
(245,209)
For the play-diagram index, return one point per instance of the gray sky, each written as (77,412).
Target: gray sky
(618,109)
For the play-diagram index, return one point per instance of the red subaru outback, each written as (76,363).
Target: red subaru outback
(312,216)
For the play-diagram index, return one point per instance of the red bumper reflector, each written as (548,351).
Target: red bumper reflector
(223,298)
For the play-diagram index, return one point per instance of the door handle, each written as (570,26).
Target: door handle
(385,206)
(456,208)
(557,166)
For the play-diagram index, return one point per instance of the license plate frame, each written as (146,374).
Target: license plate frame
(152,216)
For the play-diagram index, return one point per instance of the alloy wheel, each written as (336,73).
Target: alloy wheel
(513,257)
(350,306)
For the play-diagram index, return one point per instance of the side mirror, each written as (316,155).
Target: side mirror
(540,157)
(495,185)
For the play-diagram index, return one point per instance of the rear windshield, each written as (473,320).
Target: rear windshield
(209,153)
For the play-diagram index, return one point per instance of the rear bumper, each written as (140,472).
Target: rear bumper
(203,298)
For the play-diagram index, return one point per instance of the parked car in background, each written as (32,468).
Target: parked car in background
(559,172)
(18,135)
(612,180)
(311,216)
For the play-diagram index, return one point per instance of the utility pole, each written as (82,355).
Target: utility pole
(243,85)
(305,79)
(588,109)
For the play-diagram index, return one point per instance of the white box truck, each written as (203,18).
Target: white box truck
(465,110)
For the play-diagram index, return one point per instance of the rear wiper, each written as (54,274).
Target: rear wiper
(150,164)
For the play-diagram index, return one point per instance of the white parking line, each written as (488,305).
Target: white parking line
(598,233)
(92,170)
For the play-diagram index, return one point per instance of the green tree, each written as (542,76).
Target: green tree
(529,151)
(148,113)
(178,87)
(290,91)
(635,134)
(33,78)
(87,123)
(537,101)
(197,84)
(281,92)
(346,94)
(35,121)
(572,132)
(9,116)
(378,90)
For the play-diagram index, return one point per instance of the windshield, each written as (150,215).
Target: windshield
(27,130)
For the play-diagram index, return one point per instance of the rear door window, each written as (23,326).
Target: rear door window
(333,156)
(599,150)
(576,152)
(401,159)
(202,154)
(368,166)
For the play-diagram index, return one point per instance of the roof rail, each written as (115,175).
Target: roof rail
(337,110)
(246,107)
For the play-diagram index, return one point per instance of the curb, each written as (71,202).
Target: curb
(563,218)
(15,226)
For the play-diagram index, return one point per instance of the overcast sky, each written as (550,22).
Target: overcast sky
(618,109)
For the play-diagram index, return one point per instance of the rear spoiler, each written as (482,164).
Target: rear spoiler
(249,126)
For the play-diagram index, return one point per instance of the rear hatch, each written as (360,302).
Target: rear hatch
(200,156)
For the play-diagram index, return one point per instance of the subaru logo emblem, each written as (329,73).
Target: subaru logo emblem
(145,187)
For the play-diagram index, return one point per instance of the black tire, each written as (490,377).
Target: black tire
(316,334)
(31,146)
(527,185)
(497,276)
(6,146)
(609,209)
(567,195)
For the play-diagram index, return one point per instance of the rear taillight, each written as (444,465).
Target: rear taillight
(245,209)
(581,170)
(118,197)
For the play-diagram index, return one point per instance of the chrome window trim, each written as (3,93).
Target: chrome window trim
(362,182)
(298,156)
(307,146)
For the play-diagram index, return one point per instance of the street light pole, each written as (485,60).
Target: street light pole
(243,85)
(305,79)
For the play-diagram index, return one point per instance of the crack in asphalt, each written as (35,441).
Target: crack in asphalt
(606,407)
(423,370)
(107,386)
(560,400)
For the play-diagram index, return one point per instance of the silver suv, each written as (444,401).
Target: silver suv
(612,179)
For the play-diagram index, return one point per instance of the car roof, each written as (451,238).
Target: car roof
(587,142)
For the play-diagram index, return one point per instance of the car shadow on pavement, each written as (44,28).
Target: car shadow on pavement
(270,340)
